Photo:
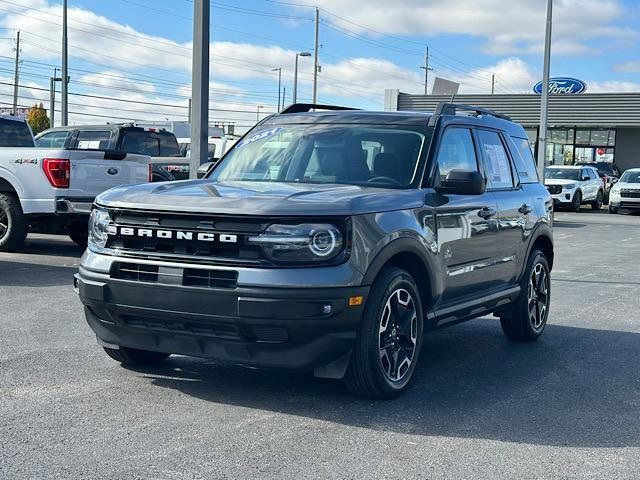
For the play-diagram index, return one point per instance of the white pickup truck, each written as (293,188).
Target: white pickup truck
(50,189)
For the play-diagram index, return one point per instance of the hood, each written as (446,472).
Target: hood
(559,181)
(260,198)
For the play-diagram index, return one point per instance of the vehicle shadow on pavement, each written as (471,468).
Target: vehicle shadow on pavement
(575,387)
(25,274)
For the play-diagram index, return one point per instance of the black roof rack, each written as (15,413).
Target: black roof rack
(307,107)
(446,108)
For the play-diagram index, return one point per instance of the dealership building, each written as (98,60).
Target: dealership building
(582,127)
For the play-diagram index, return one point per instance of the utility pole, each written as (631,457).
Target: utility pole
(493,83)
(64,109)
(190,106)
(426,69)
(544,98)
(315,59)
(16,76)
(279,70)
(200,86)
(284,95)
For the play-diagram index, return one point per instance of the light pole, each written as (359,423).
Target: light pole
(279,70)
(544,99)
(295,75)
(258,107)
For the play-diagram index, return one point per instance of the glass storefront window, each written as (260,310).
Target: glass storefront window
(596,137)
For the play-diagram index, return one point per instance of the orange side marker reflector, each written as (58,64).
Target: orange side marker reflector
(356,301)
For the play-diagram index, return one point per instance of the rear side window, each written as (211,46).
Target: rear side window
(456,152)
(150,143)
(93,139)
(496,161)
(169,146)
(15,134)
(523,160)
(52,139)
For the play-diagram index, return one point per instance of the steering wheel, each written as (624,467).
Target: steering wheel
(382,178)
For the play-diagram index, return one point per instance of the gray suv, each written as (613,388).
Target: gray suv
(327,239)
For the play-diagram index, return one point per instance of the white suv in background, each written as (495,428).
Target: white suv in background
(573,185)
(625,194)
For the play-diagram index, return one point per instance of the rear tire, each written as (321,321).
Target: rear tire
(133,356)
(526,319)
(79,234)
(577,201)
(389,337)
(13,224)
(597,203)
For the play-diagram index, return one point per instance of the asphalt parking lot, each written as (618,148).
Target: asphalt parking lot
(567,406)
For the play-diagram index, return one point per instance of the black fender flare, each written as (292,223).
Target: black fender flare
(411,246)
(541,230)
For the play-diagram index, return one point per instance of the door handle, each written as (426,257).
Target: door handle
(486,212)
(524,209)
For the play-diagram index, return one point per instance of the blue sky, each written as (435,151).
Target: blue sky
(135,54)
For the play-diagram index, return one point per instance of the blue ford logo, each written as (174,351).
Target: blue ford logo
(562,86)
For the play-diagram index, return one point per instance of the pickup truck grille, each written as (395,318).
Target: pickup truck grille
(630,193)
(182,237)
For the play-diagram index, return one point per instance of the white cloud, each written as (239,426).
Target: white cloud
(612,86)
(632,66)
(507,27)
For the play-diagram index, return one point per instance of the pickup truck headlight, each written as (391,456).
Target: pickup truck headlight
(98,228)
(307,242)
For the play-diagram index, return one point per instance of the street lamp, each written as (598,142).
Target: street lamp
(279,70)
(295,75)
(258,107)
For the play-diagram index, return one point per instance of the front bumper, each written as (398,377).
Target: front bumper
(563,198)
(623,203)
(301,328)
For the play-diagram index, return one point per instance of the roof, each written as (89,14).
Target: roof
(352,116)
(12,117)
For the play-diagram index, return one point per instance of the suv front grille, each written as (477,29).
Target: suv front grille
(554,189)
(238,251)
(630,193)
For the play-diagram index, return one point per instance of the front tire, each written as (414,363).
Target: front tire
(133,356)
(526,319)
(577,201)
(597,203)
(13,224)
(389,337)
(613,210)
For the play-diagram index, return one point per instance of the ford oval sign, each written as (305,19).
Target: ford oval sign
(562,86)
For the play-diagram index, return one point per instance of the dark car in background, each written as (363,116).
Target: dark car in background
(162,146)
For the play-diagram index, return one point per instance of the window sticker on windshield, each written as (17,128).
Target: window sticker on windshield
(88,144)
(260,136)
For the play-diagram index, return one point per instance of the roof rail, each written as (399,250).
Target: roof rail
(446,108)
(306,107)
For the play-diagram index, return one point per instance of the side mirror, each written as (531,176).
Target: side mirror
(584,178)
(463,182)
(204,169)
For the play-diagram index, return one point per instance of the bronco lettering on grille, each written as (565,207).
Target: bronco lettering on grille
(173,234)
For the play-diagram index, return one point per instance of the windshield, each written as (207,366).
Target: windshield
(384,156)
(630,177)
(562,173)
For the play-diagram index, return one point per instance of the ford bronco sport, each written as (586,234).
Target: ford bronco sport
(330,241)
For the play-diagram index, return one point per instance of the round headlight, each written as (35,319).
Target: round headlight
(302,243)
(98,228)
(323,242)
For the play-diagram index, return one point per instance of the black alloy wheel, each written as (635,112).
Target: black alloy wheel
(398,334)
(538,297)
